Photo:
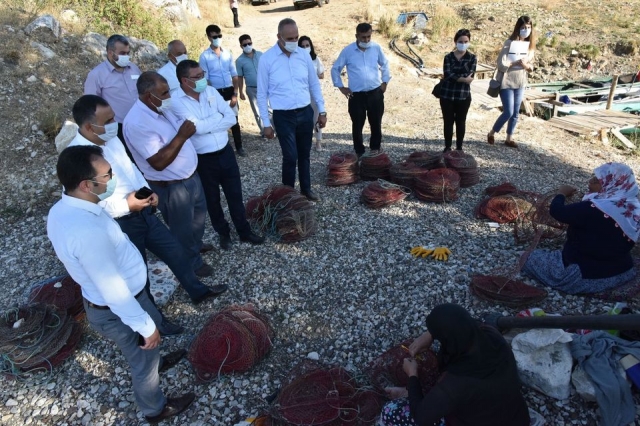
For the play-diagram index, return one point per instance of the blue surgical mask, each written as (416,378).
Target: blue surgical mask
(291,46)
(111,187)
(462,47)
(525,32)
(110,131)
(216,42)
(201,85)
(364,45)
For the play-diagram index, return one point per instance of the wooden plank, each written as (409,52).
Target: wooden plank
(614,83)
(604,136)
(622,138)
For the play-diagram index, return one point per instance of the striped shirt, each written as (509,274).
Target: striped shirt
(453,69)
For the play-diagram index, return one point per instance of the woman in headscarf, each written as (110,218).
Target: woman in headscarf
(603,228)
(478,383)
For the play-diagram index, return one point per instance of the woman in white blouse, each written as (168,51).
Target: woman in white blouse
(305,43)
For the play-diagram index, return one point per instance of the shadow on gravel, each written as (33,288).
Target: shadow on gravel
(279,9)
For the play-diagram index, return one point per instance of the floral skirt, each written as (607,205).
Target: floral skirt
(396,413)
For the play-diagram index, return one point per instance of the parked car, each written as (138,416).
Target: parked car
(259,2)
(297,4)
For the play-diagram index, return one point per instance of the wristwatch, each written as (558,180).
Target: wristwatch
(324,114)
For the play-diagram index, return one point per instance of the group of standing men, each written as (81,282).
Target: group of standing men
(175,157)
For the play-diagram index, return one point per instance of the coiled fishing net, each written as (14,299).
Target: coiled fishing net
(282,213)
(234,339)
(404,173)
(322,396)
(382,193)
(438,185)
(36,336)
(386,370)
(506,290)
(375,166)
(504,208)
(465,165)
(342,169)
(62,292)
(426,159)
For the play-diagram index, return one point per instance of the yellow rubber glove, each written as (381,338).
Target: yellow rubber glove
(441,253)
(420,251)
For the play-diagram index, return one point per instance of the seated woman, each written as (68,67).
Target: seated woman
(603,228)
(478,384)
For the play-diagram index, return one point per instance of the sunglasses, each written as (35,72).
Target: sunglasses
(247,44)
(213,37)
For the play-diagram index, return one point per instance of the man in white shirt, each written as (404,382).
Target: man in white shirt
(176,52)
(160,144)
(111,274)
(287,80)
(368,73)
(133,211)
(202,105)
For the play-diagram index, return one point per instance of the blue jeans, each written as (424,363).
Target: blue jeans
(511,100)
(146,232)
(184,209)
(295,133)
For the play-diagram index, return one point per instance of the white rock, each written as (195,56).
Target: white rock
(54,410)
(66,135)
(11,403)
(44,21)
(144,50)
(95,43)
(313,355)
(69,15)
(191,6)
(44,50)
(32,79)
(172,9)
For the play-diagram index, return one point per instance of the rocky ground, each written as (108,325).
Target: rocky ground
(348,293)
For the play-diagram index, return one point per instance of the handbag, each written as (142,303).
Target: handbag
(494,86)
(437,90)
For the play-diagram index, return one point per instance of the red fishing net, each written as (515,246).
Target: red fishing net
(382,193)
(504,208)
(342,169)
(404,173)
(465,165)
(62,292)
(438,185)
(375,166)
(426,159)
(283,213)
(234,339)
(506,291)
(502,189)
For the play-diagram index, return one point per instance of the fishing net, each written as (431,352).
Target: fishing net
(501,189)
(234,339)
(62,292)
(504,208)
(282,213)
(386,370)
(426,159)
(36,336)
(404,173)
(375,166)
(438,185)
(465,165)
(382,193)
(323,396)
(342,169)
(506,291)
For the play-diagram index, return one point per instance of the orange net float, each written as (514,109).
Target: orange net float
(375,166)
(382,194)
(342,169)
(438,185)
(426,159)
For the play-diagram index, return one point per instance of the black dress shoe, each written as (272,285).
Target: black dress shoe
(213,292)
(173,407)
(204,271)
(252,238)
(241,152)
(206,247)
(311,196)
(167,328)
(171,359)
(225,242)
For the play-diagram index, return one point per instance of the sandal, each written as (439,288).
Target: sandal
(511,144)
(491,139)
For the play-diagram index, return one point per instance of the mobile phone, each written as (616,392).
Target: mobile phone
(143,193)
(141,341)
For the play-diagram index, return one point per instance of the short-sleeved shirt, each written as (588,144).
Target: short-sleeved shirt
(117,88)
(168,71)
(248,68)
(219,70)
(146,132)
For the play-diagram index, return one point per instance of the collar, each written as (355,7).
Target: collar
(179,93)
(146,110)
(171,64)
(81,204)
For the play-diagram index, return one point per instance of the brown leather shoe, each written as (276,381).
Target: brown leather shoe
(206,247)
(491,139)
(171,359)
(511,144)
(173,407)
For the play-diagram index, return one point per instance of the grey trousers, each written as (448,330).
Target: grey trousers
(252,93)
(144,364)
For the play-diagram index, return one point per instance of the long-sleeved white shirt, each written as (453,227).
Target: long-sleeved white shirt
(128,178)
(168,71)
(286,82)
(101,259)
(366,70)
(212,116)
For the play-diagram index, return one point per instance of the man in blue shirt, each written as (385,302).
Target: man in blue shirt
(368,73)
(247,67)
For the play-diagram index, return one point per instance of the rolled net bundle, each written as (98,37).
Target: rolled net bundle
(465,165)
(382,193)
(506,290)
(234,339)
(426,159)
(342,169)
(62,292)
(386,370)
(504,208)
(375,166)
(438,185)
(404,173)
(501,189)
(254,208)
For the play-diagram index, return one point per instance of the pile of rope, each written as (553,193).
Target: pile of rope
(317,395)
(438,185)
(62,292)
(506,290)
(405,173)
(283,213)
(382,193)
(386,370)
(465,165)
(342,169)
(234,339)
(36,337)
(375,166)
(426,159)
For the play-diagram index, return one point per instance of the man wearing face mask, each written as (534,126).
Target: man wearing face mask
(247,67)
(287,80)
(368,73)
(220,70)
(160,144)
(201,104)
(176,53)
(114,80)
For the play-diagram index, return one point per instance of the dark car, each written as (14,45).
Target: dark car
(259,2)
(297,4)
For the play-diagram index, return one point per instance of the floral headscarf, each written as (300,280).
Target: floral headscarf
(618,197)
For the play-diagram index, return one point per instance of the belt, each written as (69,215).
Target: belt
(293,110)
(252,87)
(366,92)
(165,183)
(214,153)
(106,308)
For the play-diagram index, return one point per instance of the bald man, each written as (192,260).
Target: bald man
(176,52)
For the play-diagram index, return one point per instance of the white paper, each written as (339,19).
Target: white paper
(518,50)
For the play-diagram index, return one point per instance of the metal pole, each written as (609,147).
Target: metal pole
(614,83)
(588,322)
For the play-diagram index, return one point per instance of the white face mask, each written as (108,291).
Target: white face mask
(181,58)
(216,42)
(462,47)
(525,32)
(123,60)
(110,131)
(364,45)
(291,46)
(247,49)
(307,49)
(166,104)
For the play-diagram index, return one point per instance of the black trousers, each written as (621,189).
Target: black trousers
(454,112)
(362,106)
(227,94)
(236,23)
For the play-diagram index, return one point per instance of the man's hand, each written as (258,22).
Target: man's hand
(322,121)
(136,205)
(186,130)
(152,341)
(153,200)
(346,91)
(234,101)
(566,190)
(383,87)
(242,96)
(269,133)
(421,343)
(410,367)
